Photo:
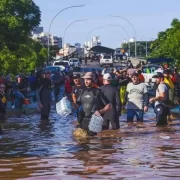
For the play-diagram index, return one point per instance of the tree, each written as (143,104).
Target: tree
(17,50)
(17,18)
(167,43)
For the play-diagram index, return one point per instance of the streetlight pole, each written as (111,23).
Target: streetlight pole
(67,29)
(53,21)
(133,30)
(146,49)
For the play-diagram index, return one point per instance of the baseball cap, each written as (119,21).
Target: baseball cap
(158,75)
(107,76)
(76,76)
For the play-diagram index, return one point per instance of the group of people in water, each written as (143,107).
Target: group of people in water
(105,93)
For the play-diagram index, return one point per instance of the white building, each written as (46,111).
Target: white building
(96,41)
(67,50)
(42,37)
(89,44)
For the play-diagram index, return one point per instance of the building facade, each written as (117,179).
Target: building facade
(42,37)
(67,50)
(89,44)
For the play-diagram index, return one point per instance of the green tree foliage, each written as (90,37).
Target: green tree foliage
(17,50)
(168,43)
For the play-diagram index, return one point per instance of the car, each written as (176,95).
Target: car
(61,63)
(74,62)
(95,57)
(106,60)
(54,69)
(149,70)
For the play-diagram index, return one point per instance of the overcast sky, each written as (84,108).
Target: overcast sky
(147,17)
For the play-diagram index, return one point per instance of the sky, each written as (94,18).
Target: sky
(148,17)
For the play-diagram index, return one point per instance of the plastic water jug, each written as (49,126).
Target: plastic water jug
(95,124)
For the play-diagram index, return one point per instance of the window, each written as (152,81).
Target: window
(53,69)
(107,57)
(61,63)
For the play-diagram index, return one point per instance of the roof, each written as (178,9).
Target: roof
(102,49)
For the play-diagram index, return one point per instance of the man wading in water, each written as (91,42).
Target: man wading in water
(43,94)
(160,109)
(92,101)
(137,96)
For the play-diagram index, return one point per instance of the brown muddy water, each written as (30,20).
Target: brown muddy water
(31,149)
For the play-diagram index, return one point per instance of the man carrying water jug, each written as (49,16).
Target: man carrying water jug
(92,101)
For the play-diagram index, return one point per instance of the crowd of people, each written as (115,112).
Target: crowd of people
(103,93)
(107,93)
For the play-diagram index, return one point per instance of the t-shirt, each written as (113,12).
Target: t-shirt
(77,90)
(161,89)
(136,95)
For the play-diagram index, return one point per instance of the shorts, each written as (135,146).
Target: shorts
(139,113)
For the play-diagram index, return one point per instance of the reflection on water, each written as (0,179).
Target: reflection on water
(34,149)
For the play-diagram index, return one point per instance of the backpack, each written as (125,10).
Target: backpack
(170,102)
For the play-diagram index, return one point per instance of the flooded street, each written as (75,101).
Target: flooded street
(32,149)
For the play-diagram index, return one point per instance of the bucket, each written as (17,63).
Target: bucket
(26,101)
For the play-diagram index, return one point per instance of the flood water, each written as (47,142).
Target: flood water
(33,149)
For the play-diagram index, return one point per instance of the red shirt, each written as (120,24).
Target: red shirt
(68,86)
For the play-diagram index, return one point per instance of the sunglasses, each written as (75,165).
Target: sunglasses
(2,87)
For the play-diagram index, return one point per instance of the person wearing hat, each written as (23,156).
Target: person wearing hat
(160,109)
(77,88)
(43,95)
(92,101)
(137,99)
(112,95)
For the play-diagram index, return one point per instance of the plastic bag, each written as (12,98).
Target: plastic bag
(63,107)
(95,124)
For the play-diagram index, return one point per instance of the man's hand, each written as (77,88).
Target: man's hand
(97,113)
(145,108)
(151,100)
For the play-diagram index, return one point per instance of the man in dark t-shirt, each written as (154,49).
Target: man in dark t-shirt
(77,88)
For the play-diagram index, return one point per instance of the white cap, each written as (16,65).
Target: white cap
(107,76)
